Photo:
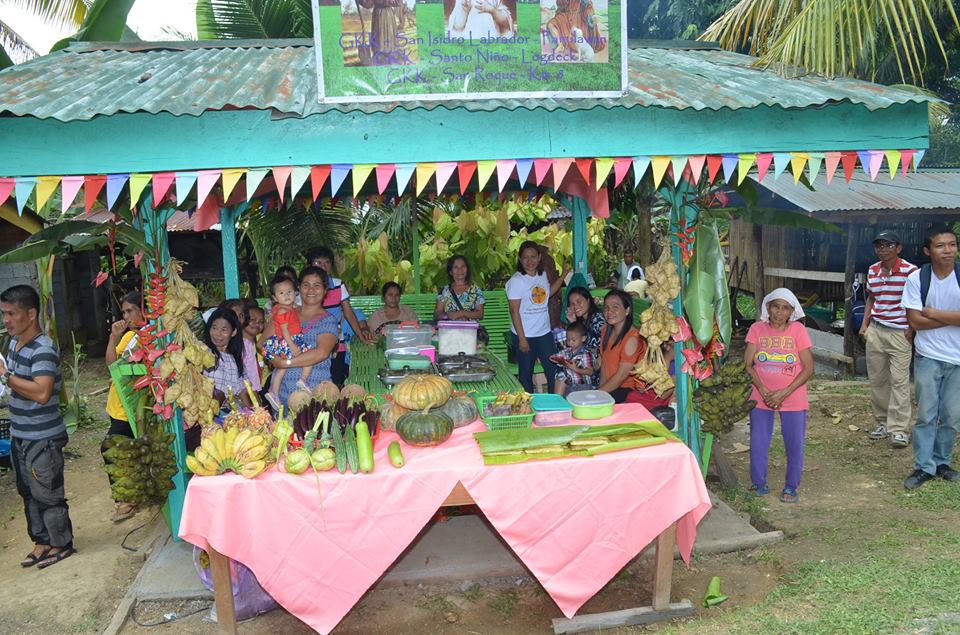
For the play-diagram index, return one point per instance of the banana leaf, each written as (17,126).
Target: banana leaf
(707,298)
(653,428)
(520,457)
(514,440)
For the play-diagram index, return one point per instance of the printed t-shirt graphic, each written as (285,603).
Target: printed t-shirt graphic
(777,361)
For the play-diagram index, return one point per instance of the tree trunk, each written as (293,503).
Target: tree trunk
(849,271)
(722,467)
(644,252)
(759,288)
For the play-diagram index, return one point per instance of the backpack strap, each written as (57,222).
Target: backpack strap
(926,272)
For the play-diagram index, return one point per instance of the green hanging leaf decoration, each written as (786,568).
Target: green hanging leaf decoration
(707,298)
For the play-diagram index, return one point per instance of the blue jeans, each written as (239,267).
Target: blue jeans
(541,347)
(938,412)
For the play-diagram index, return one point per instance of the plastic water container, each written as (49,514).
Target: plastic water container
(408,335)
(591,404)
(455,337)
(551,410)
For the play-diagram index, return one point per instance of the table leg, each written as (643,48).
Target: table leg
(663,571)
(222,591)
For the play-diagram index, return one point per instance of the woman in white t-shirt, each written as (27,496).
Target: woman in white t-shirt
(528,293)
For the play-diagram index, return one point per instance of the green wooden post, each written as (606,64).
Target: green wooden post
(581,215)
(228,243)
(416,245)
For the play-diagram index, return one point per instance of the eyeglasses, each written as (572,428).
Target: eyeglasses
(883,244)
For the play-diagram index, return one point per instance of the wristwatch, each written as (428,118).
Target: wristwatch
(287,360)
(5,377)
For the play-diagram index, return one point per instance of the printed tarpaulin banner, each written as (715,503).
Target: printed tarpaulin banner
(396,50)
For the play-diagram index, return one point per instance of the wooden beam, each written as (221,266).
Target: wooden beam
(27,221)
(849,270)
(803,274)
(759,286)
(628,617)
(663,570)
(222,591)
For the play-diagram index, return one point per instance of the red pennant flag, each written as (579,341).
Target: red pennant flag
(384,174)
(91,188)
(621,165)
(583,165)
(560,168)
(714,162)
(318,176)
(465,172)
(906,156)
(540,169)
(763,164)
(849,161)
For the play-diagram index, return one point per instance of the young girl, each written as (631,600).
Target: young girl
(779,360)
(577,365)
(287,343)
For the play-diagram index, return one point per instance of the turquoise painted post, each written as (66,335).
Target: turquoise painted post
(581,215)
(681,199)
(153,223)
(416,245)
(228,243)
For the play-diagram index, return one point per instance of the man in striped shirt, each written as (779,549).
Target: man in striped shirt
(31,372)
(889,341)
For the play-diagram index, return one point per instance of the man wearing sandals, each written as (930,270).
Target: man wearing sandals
(932,300)
(889,341)
(31,372)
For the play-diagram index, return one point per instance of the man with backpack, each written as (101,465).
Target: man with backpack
(931,297)
(889,341)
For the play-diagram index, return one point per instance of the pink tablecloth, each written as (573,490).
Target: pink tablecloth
(573,522)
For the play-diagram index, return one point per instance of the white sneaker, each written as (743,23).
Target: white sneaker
(899,440)
(880,432)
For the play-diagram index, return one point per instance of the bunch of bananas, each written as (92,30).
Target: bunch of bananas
(652,370)
(724,398)
(243,452)
(141,468)
(510,403)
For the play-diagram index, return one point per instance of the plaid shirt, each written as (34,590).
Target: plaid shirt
(581,358)
(226,375)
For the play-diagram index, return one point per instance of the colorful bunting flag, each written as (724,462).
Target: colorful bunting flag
(560,168)
(465,172)
(523,170)
(444,171)
(813,165)
(338,174)
(281,175)
(848,160)
(6,186)
(679,164)
(424,172)
(797,162)
(404,172)
(318,176)
(744,163)
(540,169)
(484,172)
(184,183)
(659,169)
(92,185)
(206,179)
(115,183)
(906,156)
(917,158)
(583,166)
(504,170)
(361,172)
(161,185)
(384,174)
(714,162)
(640,165)
(696,163)
(23,187)
(830,166)
(604,165)
(729,163)
(621,165)
(70,186)
(255,176)
(893,161)
(46,186)
(780,162)
(231,176)
(876,162)
(138,183)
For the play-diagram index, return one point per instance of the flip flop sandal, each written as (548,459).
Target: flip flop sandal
(33,558)
(759,490)
(789,495)
(63,554)
(121,514)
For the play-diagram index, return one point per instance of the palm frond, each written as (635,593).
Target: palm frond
(58,13)
(751,25)
(254,19)
(15,46)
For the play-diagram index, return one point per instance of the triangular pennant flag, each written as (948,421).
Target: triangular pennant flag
(659,169)
(621,165)
(849,161)
(138,182)
(714,162)
(24,188)
(318,176)
(780,162)
(864,156)
(583,166)
(484,172)
(560,168)
(893,161)
(504,170)
(298,176)
(255,176)
(280,177)
(813,165)
(729,162)
(744,163)
(384,174)
(917,158)
(161,185)
(404,172)
(361,172)
(115,183)
(679,164)
(231,177)
(6,186)
(540,169)
(184,183)
(46,185)
(424,172)
(604,165)
(876,162)
(523,170)
(797,161)
(70,186)
(465,172)
(206,179)
(444,171)
(338,174)
(764,159)
(830,165)
(906,156)
(695,163)
(91,189)
(640,165)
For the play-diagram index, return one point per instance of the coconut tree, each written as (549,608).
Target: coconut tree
(254,19)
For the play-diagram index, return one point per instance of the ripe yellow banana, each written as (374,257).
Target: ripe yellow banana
(251,469)
(241,439)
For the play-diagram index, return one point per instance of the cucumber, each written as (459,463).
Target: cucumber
(364,447)
(339,449)
(350,439)
(395,454)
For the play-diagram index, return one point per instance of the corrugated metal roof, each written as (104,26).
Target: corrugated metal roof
(180,221)
(926,190)
(189,78)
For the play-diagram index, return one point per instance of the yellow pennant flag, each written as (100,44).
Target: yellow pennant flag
(46,185)
(893,161)
(797,161)
(484,172)
(424,172)
(361,171)
(604,165)
(137,184)
(744,163)
(659,169)
(231,177)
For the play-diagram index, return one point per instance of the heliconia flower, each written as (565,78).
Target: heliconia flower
(702,372)
(101,278)
(154,354)
(157,408)
(684,331)
(136,355)
(167,411)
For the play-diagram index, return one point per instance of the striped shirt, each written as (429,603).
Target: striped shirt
(30,420)
(887,292)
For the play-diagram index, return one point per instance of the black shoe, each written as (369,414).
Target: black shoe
(947,473)
(918,478)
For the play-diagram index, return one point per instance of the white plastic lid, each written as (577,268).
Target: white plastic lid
(458,324)
(590,398)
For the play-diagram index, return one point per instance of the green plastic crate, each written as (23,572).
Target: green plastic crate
(510,422)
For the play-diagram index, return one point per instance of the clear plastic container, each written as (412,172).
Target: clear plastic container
(455,337)
(591,404)
(404,335)
(551,410)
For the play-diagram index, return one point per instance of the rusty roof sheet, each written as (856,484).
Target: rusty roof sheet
(180,221)
(924,190)
(189,78)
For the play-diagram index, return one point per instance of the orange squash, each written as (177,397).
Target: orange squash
(420,392)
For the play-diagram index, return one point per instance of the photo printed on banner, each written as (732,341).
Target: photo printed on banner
(378,32)
(574,31)
(480,19)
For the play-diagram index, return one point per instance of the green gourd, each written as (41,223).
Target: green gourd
(425,428)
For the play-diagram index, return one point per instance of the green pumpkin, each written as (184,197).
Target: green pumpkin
(462,409)
(425,428)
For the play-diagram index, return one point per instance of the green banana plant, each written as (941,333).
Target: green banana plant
(707,299)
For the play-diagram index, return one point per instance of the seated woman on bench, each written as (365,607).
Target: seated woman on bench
(460,299)
(392,312)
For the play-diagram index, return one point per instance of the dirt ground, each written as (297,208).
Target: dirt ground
(854,532)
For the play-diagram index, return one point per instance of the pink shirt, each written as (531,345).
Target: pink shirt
(777,361)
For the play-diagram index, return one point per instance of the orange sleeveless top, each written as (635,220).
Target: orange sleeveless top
(613,356)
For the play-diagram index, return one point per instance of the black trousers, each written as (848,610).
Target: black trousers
(38,467)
